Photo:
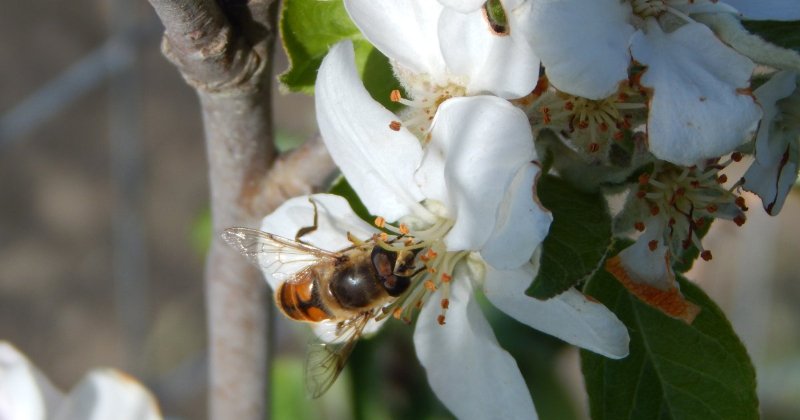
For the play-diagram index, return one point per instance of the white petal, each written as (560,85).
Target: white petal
(774,171)
(767,9)
(108,394)
(463,6)
(648,265)
(644,268)
(478,144)
(770,145)
(335,219)
(378,162)
(569,316)
(696,111)
(25,393)
(522,223)
(403,30)
(773,182)
(501,64)
(467,369)
(582,44)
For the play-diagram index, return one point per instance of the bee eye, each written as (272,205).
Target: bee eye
(384,262)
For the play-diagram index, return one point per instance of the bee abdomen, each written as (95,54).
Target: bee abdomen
(301,301)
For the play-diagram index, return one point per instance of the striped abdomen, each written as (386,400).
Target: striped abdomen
(300,299)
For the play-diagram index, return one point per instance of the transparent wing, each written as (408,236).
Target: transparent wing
(324,361)
(276,255)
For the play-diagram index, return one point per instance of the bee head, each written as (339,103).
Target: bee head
(394,269)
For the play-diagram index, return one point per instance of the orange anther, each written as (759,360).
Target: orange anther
(380,222)
(384,237)
(395,125)
(639,226)
(404,229)
(446,278)
(652,245)
(440,319)
(394,96)
(445,303)
(430,286)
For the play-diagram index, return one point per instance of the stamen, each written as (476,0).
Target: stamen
(380,222)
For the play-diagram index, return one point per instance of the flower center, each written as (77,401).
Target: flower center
(591,125)
(419,112)
(434,273)
(684,199)
(648,8)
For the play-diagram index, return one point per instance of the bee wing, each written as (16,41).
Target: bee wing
(276,255)
(325,361)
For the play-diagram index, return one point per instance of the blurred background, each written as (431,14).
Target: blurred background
(104,221)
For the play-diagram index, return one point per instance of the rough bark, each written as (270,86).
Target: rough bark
(224,50)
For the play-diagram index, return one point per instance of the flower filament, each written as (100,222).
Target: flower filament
(435,272)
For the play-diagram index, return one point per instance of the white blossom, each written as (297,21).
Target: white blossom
(468,197)
(26,394)
(700,106)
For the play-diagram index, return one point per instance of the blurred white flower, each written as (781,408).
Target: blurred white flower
(26,394)
(700,107)
(774,171)
(469,199)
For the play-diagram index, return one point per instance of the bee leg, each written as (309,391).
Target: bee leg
(308,229)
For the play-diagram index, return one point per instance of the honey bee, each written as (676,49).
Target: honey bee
(349,287)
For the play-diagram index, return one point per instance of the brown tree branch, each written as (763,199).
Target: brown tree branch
(224,50)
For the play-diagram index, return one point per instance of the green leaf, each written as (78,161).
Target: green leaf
(783,34)
(674,370)
(579,237)
(309,28)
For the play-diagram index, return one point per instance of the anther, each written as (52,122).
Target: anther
(445,303)
(739,220)
(741,203)
(440,319)
(712,208)
(644,179)
(653,245)
(394,96)
(706,255)
(380,222)
(446,278)
(722,179)
(594,147)
(394,125)
(430,286)
(404,229)
(639,226)
(384,237)
(736,156)
(654,210)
